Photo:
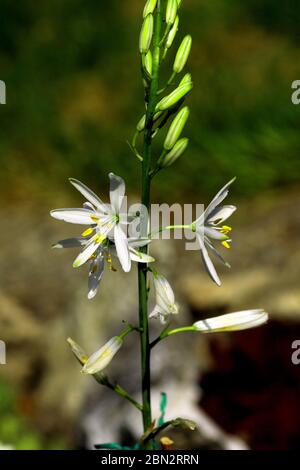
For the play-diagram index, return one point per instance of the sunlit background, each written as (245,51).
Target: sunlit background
(74,96)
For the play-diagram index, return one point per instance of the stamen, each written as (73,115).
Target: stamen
(95,218)
(87,232)
(226,244)
(109,262)
(99,238)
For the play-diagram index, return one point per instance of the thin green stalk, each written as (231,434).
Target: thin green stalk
(167,333)
(145,199)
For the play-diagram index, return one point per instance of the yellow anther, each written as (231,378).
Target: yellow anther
(87,232)
(226,244)
(109,262)
(225,229)
(94,218)
(99,238)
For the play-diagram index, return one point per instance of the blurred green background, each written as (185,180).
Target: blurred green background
(74,96)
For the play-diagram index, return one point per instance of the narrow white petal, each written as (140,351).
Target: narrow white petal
(122,248)
(215,252)
(219,215)
(208,264)
(214,234)
(101,358)
(140,257)
(89,194)
(75,242)
(138,242)
(85,255)
(233,321)
(95,275)
(219,197)
(116,192)
(74,216)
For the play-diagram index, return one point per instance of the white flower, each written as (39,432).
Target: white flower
(165,299)
(105,220)
(103,254)
(104,236)
(232,321)
(101,358)
(209,226)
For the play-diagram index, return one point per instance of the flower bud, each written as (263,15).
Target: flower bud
(148,63)
(182,54)
(172,33)
(171,11)
(174,97)
(176,152)
(176,128)
(101,358)
(186,79)
(146,34)
(149,7)
(77,351)
(142,122)
(232,321)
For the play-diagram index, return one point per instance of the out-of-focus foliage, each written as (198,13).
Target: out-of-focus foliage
(14,429)
(74,95)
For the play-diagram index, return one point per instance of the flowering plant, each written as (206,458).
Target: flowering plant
(106,237)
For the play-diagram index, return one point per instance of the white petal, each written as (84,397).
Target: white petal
(116,192)
(140,257)
(233,321)
(216,253)
(165,298)
(219,215)
(208,264)
(74,216)
(85,255)
(138,242)
(71,243)
(214,234)
(101,358)
(219,197)
(122,248)
(89,194)
(95,275)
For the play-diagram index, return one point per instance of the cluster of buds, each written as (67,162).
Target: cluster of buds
(174,146)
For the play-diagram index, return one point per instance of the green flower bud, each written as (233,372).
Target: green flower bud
(148,63)
(171,11)
(142,122)
(186,79)
(176,128)
(146,34)
(176,152)
(182,54)
(172,33)
(174,97)
(149,7)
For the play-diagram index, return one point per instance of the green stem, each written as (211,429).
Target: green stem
(165,334)
(142,268)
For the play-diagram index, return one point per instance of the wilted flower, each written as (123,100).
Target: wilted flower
(101,358)
(209,226)
(232,321)
(165,299)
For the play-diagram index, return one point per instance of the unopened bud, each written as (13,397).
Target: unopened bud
(149,7)
(182,54)
(176,128)
(171,11)
(148,63)
(146,34)
(101,358)
(78,352)
(186,79)
(172,33)
(176,152)
(142,122)
(174,97)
